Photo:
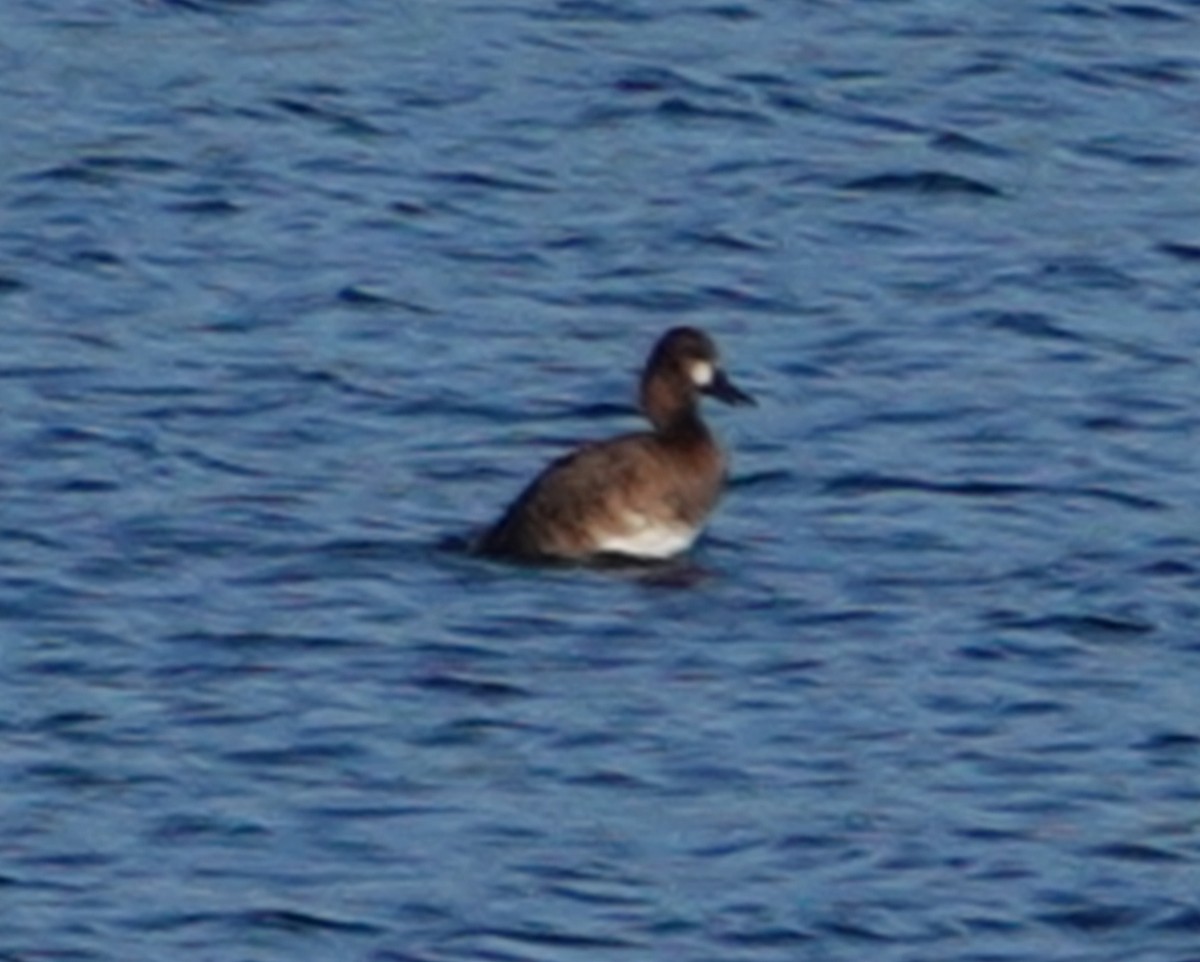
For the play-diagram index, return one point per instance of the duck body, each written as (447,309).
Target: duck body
(644,495)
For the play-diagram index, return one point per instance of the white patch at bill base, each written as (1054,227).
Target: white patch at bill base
(702,373)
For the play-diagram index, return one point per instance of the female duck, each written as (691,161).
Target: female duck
(643,495)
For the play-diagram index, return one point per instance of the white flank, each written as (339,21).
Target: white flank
(643,538)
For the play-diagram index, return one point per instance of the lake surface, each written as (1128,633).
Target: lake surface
(294,297)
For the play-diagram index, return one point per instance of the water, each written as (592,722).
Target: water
(294,295)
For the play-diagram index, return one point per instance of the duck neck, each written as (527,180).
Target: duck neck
(672,409)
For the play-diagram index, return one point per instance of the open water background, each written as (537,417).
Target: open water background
(293,293)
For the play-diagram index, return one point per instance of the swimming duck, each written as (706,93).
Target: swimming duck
(644,495)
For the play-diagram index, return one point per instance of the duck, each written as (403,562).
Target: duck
(643,496)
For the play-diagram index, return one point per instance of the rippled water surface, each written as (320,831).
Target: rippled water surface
(295,296)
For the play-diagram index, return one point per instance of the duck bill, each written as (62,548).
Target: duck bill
(724,389)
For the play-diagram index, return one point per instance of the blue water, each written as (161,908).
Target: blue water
(294,297)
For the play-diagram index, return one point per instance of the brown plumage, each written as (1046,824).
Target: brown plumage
(643,495)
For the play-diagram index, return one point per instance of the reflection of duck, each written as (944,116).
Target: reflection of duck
(643,495)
